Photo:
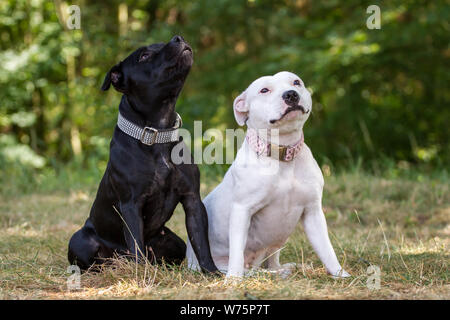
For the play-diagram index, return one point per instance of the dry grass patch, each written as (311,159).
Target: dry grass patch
(400,225)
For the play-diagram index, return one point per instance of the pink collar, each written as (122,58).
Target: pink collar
(261,147)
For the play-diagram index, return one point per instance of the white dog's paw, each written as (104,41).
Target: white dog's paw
(340,274)
(233,279)
(234,276)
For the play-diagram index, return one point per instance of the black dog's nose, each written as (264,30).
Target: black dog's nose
(177,39)
(291,97)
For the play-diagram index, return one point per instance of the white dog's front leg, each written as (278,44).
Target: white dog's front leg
(239,225)
(315,226)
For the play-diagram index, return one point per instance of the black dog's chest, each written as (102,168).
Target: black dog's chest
(160,196)
(157,210)
(148,177)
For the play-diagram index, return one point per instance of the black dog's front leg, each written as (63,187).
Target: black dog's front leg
(197,229)
(133,229)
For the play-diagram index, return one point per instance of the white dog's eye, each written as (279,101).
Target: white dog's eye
(297,83)
(264,90)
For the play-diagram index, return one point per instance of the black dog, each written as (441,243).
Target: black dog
(142,186)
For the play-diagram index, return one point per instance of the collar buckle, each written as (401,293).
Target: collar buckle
(149,130)
(277,152)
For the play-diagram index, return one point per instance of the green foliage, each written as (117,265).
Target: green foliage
(377,94)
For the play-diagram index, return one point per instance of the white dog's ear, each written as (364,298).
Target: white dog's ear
(240,108)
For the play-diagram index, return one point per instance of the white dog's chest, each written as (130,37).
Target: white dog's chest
(272,224)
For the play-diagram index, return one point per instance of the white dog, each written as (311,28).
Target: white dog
(254,210)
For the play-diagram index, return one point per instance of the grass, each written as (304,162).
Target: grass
(399,224)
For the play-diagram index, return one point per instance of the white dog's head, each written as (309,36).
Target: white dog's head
(278,101)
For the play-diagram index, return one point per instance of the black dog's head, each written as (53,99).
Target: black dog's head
(152,74)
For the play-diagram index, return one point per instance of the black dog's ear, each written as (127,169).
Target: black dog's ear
(114,77)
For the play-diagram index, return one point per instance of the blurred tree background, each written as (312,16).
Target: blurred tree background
(378,95)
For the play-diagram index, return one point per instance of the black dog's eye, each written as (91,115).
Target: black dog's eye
(144,56)
(297,83)
(264,90)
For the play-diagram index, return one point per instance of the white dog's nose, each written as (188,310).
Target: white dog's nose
(291,98)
